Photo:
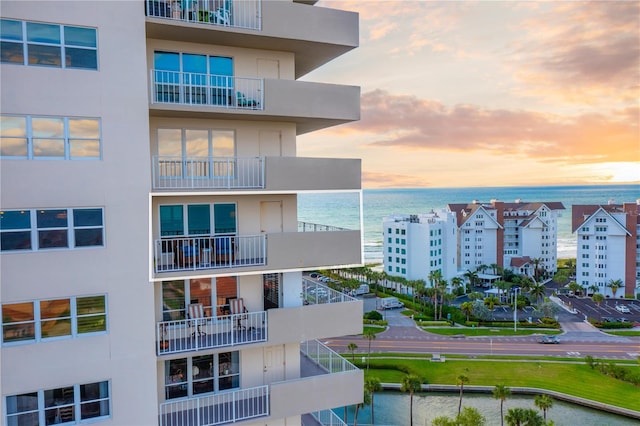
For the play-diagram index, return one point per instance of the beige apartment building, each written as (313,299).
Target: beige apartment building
(151,255)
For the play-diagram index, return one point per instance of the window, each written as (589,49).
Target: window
(196,153)
(212,293)
(50,45)
(199,220)
(390,240)
(51,229)
(60,405)
(51,318)
(201,374)
(35,137)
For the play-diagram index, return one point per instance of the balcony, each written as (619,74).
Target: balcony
(210,332)
(269,173)
(215,173)
(315,35)
(264,252)
(221,91)
(323,372)
(209,252)
(226,407)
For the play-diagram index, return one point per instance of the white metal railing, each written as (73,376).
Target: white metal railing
(326,358)
(328,418)
(216,409)
(209,252)
(176,172)
(188,88)
(315,227)
(228,13)
(317,294)
(211,332)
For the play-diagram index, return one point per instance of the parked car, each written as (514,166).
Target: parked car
(623,309)
(608,319)
(549,339)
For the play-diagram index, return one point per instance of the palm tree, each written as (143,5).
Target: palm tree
(614,285)
(372,385)
(466,308)
(351,347)
(434,279)
(538,291)
(411,383)
(369,335)
(456,282)
(366,400)
(594,288)
(491,302)
(597,298)
(501,392)
(543,402)
(536,268)
(570,264)
(442,288)
(471,276)
(523,416)
(461,380)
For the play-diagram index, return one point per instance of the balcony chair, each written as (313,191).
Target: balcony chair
(189,255)
(223,247)
(237,308)
(243,102)
(196,313)
(222,15)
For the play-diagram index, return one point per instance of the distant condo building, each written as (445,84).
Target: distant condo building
(463,237)
(608,241)
(151,254)
(416,245)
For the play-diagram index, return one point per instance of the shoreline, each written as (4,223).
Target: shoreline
(524,391)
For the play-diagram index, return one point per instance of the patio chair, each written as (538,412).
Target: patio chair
(222,15)
(243,102)
(196,313)
(223,249)
(237,308)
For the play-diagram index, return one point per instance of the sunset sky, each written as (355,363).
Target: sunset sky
(488,93)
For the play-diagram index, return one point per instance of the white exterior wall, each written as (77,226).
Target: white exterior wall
(116,94)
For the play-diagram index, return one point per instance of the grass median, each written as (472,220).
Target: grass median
(569,378)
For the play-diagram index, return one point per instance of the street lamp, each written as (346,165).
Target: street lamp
(515,308)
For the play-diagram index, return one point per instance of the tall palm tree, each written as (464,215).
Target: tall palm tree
(351,347)
(369,335)
(472,276)
(461,380)
(536,268)
(372,385)
(412,384)
(456,282)
(537,291)
(366,400)
(442,288)
(501,392)
(614,285)
(543,402)
(594,288)
(466,308)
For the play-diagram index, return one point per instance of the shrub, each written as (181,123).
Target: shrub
(373,315)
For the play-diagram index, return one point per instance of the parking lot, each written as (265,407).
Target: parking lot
(614,310)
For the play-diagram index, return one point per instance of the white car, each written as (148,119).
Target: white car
(623,309)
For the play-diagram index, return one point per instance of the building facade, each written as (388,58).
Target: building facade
(608,243)
(414,246)
(151,254)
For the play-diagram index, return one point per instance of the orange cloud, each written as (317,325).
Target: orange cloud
(581,52)
(407,122)
(391,180)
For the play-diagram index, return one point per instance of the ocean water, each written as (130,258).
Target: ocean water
(341,209)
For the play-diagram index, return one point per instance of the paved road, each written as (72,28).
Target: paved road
(578,340)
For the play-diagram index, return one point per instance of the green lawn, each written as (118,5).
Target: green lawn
(570,378)
(623,332)
(452,331)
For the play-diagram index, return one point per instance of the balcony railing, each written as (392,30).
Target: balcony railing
(227,407)
(316,294)
(328,418)
(176,172)
(188,88)
(325,358)
(214,332)
(236,14)
(184,254)
(315,227)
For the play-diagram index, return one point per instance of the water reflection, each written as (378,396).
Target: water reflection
(392,408)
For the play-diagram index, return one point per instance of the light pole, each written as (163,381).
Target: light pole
(515,308)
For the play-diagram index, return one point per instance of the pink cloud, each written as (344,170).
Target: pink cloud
(410,123)
(391,180)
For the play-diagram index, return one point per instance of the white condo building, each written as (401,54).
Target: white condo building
(414,246)
(608,241)
(151,256)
